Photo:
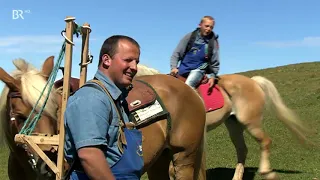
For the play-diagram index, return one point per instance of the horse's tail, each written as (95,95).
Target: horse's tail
(286,115)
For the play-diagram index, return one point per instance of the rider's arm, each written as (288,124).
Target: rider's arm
(214,65)
(87,120)
(179,51)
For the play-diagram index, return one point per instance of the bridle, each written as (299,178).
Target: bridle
(11,95)
(35,161)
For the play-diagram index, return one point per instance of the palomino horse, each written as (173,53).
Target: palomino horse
(241,104)
(21,91)
(179,138)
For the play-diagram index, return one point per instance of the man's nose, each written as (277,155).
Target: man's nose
(133,66)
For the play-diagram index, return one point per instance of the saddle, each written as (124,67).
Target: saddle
(143,103)
(140,96)
(74,84)
(212,97)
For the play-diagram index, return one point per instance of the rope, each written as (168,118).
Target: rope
(30,123)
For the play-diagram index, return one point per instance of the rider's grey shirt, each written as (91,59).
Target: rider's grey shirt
(180,51)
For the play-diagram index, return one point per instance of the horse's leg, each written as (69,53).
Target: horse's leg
(153,143)
(159,169)
(236,130)
(254,127)
(265,142)
(184,164)
(248,103)
(189,155)
(187,140)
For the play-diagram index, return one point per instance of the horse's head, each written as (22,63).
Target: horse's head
(22,90)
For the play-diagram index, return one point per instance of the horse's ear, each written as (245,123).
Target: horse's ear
(12,83)
(48,66)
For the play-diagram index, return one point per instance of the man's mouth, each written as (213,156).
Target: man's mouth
(130,75)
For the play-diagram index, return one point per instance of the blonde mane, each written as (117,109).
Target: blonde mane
(144,70)
(32,85)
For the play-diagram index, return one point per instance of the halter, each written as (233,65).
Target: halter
(34,160)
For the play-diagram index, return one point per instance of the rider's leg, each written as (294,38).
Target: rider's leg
(195,77)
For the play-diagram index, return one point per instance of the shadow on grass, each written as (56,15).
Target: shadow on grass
(249,173)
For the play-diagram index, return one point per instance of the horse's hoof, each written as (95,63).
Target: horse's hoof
(238,174)
(270,176)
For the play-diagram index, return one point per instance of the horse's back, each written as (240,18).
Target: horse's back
(174,92)
(185,106)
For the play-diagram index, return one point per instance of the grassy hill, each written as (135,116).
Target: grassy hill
(299,86)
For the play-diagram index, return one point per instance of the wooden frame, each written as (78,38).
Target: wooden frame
(38,143)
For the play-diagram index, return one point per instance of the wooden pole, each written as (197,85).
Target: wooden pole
(84,58)
(66,92)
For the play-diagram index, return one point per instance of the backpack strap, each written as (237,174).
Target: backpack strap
(190,42)
(209,49)
(211,44)
(121,138)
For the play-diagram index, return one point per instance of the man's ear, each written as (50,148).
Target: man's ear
(106,61)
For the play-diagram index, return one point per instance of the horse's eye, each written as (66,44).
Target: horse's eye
(21,117)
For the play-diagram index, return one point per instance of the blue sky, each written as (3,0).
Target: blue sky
(253,34)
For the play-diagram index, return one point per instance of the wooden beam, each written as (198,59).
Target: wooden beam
(35,148)
(38,139)
(85,49)
(66,92)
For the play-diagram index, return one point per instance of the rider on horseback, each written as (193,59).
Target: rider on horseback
(198,53)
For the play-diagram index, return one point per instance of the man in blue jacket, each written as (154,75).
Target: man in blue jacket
(198,54)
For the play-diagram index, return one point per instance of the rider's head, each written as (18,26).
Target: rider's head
(206,25)
(119,56)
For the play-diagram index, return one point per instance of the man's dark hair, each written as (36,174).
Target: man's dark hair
(110,45)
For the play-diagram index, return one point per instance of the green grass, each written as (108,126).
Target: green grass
(299,86)
(3,163)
